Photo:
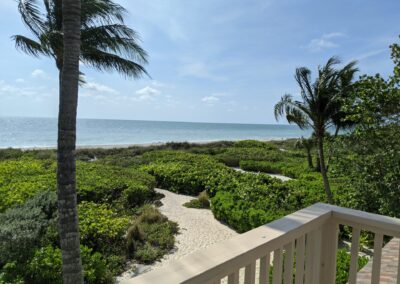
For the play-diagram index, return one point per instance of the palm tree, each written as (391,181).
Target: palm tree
(306,144)
(66,170)
(69,31)
(319,107)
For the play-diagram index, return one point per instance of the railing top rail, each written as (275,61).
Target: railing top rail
(363,220)
(222,258)
(216,260)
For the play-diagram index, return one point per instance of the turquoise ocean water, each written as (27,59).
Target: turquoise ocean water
(42,132)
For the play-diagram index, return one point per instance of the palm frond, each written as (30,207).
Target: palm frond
(104,61)
(29,46)
(31,16)
(303,78)
(115,38)
(293,111)
(101,11)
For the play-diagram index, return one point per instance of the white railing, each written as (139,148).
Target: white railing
(305,242)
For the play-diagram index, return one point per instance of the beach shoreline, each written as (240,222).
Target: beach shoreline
(143,145)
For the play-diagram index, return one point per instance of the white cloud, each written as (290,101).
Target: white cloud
(220,94)
(372,53)
(144,98)
(325,41)
(210,99)
(148,91)
(36,92)
(38,73)
(99,88)
(20,81)
(199,70)
(147,94)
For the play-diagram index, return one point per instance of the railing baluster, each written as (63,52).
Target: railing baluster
(277,271)
(250,273)
(264,269)
(376,259)
(233,278)
(398,264)
(330,232)
(309,257)
(317,256)
(300,250)
(288,268)
(354,255)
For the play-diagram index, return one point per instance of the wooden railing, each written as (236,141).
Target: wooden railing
(302,247)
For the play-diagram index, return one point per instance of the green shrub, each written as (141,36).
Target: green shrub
(12,272)
(46,266)
(151,235)
(202,201)
(101,183)
(289,167)
(24,228)
(101,228)
(343,265)
(255,144)
(22,179)
(261,166)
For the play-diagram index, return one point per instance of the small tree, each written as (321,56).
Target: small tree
(308,145)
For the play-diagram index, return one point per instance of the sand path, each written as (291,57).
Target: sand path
(197,229)
(281,177)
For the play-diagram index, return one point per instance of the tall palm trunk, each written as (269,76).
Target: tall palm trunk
(309,158)
(332,148)
(323,168)
(66,167)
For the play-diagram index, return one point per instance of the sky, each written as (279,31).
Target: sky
(209,60)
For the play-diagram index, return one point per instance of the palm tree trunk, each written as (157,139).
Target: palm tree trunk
(332,149)
(66,167)
(323,169)
(309,158)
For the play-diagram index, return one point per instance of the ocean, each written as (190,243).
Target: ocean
(23,132)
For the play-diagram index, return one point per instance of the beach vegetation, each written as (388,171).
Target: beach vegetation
(109,202)
(150,236)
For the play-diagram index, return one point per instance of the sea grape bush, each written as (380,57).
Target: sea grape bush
(22,179)
(101,228)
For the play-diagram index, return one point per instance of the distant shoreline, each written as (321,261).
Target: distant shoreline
(123,146)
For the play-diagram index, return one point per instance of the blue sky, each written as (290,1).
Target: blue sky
(210,60)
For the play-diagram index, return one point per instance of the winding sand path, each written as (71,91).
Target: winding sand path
(281,177)
(197,229)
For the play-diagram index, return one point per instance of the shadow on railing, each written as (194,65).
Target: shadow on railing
(310,236)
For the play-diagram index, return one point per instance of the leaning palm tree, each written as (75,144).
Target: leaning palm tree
(66,184)
(92,32)
(319,107)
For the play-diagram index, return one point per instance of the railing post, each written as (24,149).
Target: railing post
(329,244)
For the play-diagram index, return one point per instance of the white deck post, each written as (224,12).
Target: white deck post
(329,244)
